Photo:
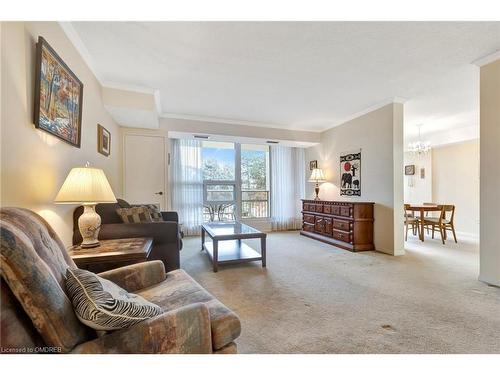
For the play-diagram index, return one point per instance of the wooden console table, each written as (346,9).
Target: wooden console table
(112,254)
(348,225)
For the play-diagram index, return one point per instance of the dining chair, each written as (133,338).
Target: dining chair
(442,222)
(410,219)
(448,224)
(429,213)
(433,222)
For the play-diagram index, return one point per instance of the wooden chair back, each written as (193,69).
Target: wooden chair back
(407,211)
(429,213)
(448,208)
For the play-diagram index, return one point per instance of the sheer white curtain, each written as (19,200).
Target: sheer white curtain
(287,186)
(187,183)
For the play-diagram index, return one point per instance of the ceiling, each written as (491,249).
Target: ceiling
(298,75)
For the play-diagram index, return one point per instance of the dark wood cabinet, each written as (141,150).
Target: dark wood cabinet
(348,225)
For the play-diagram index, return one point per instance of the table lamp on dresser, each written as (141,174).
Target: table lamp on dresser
(317,176)
(86,186)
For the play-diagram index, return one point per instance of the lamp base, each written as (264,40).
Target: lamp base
(316,190)
(89,224)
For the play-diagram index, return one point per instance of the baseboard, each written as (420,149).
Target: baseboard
(489,281)
(467,234)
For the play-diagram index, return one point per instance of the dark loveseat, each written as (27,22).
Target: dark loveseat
(166,236)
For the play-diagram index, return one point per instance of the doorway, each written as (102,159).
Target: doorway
(145,170)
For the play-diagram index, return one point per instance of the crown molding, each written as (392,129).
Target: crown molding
(393,100)
(157,101)
(129,87)
(77,42)
(485,60)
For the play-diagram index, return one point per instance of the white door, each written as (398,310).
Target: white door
(145,169)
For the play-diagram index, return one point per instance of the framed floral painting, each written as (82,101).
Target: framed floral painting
(58,96)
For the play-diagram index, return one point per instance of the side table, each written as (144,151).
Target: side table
(112,254)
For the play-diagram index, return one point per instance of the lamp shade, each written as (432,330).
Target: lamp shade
(317,175)
(85,185)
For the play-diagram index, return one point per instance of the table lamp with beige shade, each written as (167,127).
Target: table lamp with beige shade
(86,186)
(317,176)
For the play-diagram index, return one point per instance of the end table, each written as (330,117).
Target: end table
(112,254)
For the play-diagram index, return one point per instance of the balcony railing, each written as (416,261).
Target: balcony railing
(254,204)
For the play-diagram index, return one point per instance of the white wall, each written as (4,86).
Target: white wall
(34,163)
(418,190)
(379,135)
(490,173)
(455,180)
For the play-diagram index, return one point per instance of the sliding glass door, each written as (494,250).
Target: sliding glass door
(235,181)
(254,181)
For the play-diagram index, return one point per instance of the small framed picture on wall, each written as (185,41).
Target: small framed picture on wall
(103,140)
(313,164)
(409,170)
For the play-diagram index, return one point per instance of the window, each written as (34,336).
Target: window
(254,181)
(219,181)
(218,161)
(219,193)
(235,181)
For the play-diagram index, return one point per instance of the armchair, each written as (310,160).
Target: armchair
(37,313)
(166,235)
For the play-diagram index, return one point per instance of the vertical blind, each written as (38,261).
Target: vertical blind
(187,183)
(287,186)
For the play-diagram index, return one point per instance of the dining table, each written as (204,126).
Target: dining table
(423,208)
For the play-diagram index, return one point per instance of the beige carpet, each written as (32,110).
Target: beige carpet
(315,298)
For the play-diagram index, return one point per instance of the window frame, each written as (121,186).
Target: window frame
(237,186)
(218,182)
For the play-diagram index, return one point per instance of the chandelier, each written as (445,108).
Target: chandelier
(419,147)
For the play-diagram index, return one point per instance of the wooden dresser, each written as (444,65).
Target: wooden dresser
(348,225)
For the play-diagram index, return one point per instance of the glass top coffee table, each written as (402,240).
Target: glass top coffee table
(226,245)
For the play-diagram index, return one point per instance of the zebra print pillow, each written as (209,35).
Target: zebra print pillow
(103,305)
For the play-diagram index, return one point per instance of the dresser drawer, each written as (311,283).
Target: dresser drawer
(341,236)
(308,227)
(342,225)
(335,210)
(345,211)
(328,225)
(319,225)
(307,218)
(319,208)
(327,208)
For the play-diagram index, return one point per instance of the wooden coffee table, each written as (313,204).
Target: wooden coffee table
(226,245)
